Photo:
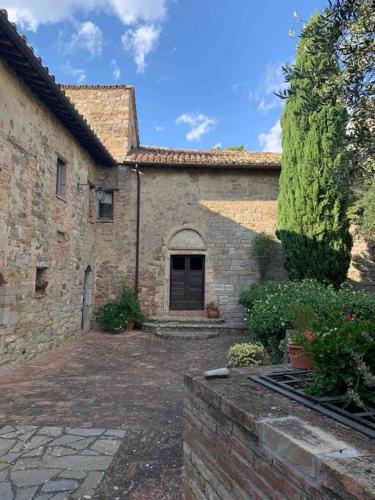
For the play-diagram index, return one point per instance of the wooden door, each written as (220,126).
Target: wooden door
(187,282)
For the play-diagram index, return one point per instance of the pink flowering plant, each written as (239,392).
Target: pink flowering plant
(302,320)
(343,355)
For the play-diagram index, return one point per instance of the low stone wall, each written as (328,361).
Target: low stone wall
(242,441)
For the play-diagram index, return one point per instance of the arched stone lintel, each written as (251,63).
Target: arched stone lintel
(186,238)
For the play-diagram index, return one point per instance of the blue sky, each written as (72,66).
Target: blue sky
(204,70)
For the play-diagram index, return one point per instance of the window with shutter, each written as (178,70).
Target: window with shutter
(104,206)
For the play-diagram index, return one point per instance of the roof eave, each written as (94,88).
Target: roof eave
(45,85)
(222,166)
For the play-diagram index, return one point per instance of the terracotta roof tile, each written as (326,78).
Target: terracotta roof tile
(153,155)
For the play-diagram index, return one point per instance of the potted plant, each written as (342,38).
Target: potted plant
(123,314)
(302,318)
(132,309)
(299,358)
(212,310)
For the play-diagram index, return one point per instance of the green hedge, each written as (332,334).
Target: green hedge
(267,308)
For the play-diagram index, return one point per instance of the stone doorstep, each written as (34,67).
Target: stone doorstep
(190,328)
(296,442)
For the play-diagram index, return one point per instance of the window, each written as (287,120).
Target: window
(41,282)
(61,178)
(104,205)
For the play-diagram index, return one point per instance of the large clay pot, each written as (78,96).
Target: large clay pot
(130,326)
(298,359)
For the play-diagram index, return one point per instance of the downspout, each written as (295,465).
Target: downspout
(136,280)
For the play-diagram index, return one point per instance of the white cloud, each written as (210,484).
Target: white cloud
(140,42)
(200,124)
(159,128)
(77,74)
(116,73)
(88,37)
(271,140)
(146,16)
(273,81)
(29,14)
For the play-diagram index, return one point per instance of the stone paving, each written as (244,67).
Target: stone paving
(54,463)
(131,382)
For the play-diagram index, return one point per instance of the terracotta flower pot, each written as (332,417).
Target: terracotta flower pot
(130,326)
(298,359)
(213,313)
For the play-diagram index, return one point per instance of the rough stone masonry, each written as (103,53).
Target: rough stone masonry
(68,154)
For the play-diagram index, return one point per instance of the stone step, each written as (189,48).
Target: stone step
(189,329)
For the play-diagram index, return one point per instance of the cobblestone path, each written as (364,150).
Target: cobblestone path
(102,413)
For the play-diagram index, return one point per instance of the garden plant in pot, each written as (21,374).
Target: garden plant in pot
(302,319)
(212,310)
(123,314)
(132,308)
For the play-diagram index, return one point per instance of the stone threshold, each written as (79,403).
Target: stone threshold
(190,328)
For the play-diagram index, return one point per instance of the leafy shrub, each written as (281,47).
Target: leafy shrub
(247,354)
(262,249)
(343,356)
(269,308)
(112,317)
(257,292)
(130,304)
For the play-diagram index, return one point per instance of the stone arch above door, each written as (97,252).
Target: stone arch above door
(186,238)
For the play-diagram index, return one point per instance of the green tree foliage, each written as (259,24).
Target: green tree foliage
(240,147)
(314,190)
(349,26)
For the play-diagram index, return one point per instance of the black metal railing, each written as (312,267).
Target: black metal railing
(292,383)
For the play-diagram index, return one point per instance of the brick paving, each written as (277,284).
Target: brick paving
(131,384)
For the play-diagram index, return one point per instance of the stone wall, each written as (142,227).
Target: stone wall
(243,441)
(110,111)
(362,268)
(39,229)
(115,251)
(226,208)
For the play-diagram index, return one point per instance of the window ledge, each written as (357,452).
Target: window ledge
(104,221)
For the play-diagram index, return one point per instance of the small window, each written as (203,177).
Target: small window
(41,282)
(178,262)
(104,205)
(61,178)
(196,263)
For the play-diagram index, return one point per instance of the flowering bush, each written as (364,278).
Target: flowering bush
(247,354)
(343,355)
(268,308)
(114,316)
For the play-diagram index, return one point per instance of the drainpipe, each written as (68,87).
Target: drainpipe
(136,280)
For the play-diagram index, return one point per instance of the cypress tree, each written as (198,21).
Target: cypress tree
(314,184)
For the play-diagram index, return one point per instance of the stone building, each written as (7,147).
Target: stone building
(84,209)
